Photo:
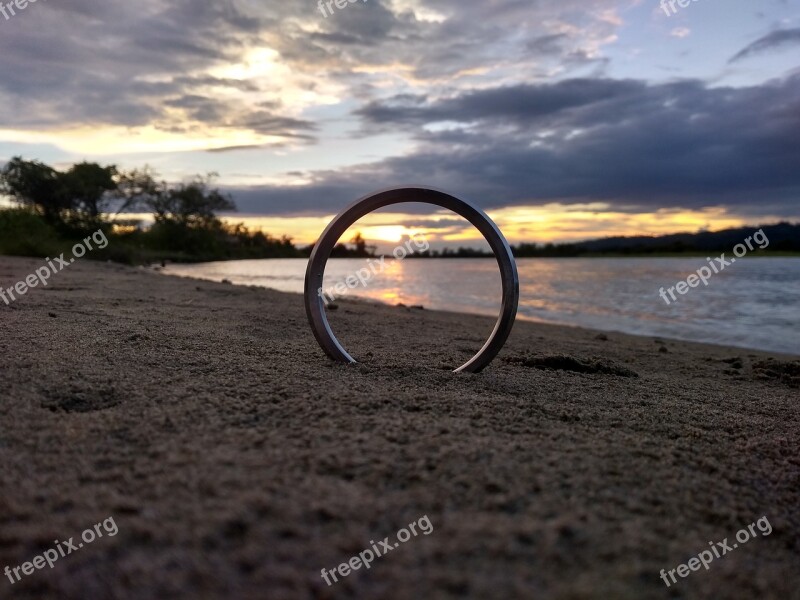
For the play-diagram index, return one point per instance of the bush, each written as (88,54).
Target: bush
(23,233)
(198,242)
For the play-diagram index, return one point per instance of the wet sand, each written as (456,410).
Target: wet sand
(237,461)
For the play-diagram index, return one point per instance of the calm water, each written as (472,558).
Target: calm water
(754,303)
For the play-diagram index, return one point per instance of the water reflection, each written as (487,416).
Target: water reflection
(753,304)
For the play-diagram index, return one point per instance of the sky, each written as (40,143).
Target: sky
(563,119)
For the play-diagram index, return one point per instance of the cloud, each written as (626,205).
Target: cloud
(99,63)
(117,63)
(772,40)
(507,102)
(448,40)
(513,104)
(636,146)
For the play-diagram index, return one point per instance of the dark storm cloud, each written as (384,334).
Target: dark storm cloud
(680,144)
(322,197)
(775,39)
(518,104)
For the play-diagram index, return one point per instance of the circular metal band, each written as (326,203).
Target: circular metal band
(315,308)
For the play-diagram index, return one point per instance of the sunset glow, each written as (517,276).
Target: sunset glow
(550,223)
(565,127)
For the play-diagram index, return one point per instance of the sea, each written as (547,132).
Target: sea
(754,303)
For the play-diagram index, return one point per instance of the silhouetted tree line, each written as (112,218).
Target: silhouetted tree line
(783,237)
(60,206)
(448,253)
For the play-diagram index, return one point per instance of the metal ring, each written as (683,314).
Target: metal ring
(315,308)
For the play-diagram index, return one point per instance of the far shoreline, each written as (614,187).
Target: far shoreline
(483,257)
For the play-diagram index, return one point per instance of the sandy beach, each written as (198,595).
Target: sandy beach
(238,462)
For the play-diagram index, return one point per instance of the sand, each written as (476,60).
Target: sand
(237,461)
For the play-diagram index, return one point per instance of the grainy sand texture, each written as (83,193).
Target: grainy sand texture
(237,461)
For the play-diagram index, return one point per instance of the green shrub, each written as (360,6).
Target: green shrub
(24,233)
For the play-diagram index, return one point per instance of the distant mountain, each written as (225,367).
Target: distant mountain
(782,237)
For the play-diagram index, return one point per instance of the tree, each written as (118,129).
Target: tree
(35,184)
(360,244)
(80,194)
(195,203)
(89,187)
(192,204)
(139,188)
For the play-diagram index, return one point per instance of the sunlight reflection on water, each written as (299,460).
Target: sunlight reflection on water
(754,303)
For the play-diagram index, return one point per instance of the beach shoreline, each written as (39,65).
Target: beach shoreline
(751,307)
(235,457)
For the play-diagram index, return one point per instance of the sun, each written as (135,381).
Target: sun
(383,233)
